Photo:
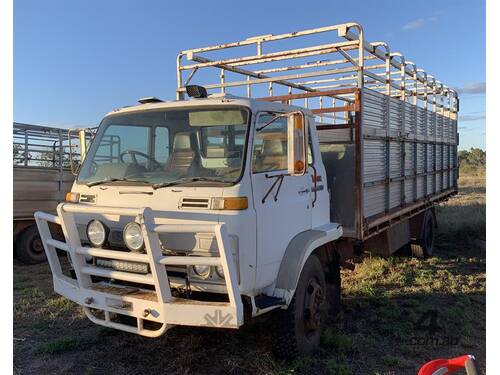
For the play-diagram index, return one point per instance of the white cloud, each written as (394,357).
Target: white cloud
(472,88)
(419,22)
(470,117)
(415,24)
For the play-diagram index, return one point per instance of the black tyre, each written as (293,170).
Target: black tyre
(29,246)
(424,246)
(334,291)
(299,327)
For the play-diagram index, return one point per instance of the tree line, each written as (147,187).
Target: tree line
(472,161)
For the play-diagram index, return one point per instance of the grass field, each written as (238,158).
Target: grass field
(398,313)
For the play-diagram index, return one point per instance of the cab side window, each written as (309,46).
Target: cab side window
(270,146)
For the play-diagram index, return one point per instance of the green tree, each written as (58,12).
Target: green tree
(472,161)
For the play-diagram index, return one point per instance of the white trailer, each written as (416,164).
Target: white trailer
(215,210)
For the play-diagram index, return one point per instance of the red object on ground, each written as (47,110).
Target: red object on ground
(445,366)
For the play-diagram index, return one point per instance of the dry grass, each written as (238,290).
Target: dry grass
(377,332)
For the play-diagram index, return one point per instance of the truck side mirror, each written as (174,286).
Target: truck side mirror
(78,153)
(297,143)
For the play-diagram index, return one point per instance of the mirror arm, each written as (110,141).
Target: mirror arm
(269,122)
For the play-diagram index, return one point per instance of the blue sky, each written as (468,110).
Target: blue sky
(74,61)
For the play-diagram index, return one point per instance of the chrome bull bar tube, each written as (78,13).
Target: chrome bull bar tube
(159,306)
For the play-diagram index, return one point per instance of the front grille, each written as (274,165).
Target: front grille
(195,203)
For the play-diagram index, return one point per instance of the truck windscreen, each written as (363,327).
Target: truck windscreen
(157,147)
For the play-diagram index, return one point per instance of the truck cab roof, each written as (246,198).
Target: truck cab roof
(255,105)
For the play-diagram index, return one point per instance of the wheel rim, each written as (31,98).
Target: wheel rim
(37,246)
(313,307)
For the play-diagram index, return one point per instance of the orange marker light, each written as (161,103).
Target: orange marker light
(72,197)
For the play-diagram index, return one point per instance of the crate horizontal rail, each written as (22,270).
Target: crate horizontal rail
(348,61)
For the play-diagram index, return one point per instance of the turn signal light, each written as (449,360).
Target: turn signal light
(232,203)
(72,197)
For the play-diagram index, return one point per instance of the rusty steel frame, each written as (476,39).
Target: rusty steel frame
(348,61)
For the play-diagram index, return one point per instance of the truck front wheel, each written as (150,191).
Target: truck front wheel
(29,247)
(300,326)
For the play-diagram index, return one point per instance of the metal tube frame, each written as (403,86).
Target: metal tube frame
(163,308)
(348,52)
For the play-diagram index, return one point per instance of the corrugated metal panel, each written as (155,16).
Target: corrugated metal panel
(395,115)
(439,179)
(409,190)
(390,122)
(430,158)
(446,150)
(454,131)
(420,187)
(410,118)
(374,110)
(395,194)
(374,160)
(395,159)
(439,157)
(439,127)
(374,200)
(420,158)
(446,179)
(430,185)
(421,122)
(335,136)
(431,124)
(446,129)
(409,165)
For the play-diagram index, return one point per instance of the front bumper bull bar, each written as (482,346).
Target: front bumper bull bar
(157,306)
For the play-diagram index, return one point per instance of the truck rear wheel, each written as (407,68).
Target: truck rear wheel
(300,326)
(424,245)
(29,246)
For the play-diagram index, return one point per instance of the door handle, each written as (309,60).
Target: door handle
(303,191)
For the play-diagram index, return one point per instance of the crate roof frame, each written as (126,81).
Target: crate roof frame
(362,64)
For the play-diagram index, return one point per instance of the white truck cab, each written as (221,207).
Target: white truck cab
(220,208)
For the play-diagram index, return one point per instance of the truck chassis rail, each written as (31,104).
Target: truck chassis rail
(156,305)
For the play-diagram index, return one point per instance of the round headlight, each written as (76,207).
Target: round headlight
(202,271)
(132,236)
(96,233)
(219,271)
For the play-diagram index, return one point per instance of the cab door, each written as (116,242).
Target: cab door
(282,202)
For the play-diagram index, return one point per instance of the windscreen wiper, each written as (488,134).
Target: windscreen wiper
(189,179)
(99,182)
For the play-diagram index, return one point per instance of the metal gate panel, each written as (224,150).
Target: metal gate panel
(395,159)
(431,125)
(446,150)
(374,200)
(420,187)
(439,128)
(374,168)
(421,123)
(395,194)
(395,115)
(407,154)
(420,158)
(410,120)
(332,136)
(409,171)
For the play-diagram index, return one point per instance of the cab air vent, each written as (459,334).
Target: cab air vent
(194,203)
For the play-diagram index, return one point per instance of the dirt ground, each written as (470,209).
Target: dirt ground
(398,313)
